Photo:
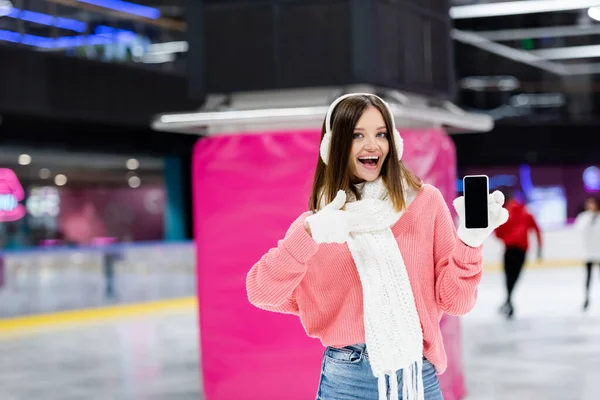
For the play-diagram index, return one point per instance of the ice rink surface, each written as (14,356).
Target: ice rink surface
(549,351)
(551,348)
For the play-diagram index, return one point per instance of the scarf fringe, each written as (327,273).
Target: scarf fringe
(412,383)
(382,387)
(394,385)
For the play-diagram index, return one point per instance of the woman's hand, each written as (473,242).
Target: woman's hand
(330,224)
(497,215)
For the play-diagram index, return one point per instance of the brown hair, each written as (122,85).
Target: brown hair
(336,176)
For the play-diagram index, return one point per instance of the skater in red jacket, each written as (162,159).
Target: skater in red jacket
(514,233)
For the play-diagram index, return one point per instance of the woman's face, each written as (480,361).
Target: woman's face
(590,205)
(370,146)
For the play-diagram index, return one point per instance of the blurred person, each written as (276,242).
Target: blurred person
(110,255)
(2,270)
(108,266)
(588,225)
(515,236)
(13,237)
(374,264)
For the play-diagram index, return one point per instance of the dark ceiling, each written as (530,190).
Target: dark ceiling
(557,82)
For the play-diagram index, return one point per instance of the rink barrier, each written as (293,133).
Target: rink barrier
(100,314)
(42,282)
(55,279)
(95,248)
(533,264)
(67,319)
(561,247)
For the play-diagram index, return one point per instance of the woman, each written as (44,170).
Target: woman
(375,262)
(587,223)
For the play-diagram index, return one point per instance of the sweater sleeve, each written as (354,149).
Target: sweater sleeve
(271,282)
(458,267)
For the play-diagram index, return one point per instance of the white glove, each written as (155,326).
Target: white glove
(497,215)
(330,224)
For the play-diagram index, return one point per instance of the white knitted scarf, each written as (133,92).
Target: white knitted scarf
(392,327)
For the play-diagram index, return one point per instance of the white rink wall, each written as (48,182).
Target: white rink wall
(561,247)
(50,280)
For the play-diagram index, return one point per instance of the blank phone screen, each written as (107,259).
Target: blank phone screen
(476,201)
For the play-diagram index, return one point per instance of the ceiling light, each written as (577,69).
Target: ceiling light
(594,13)
(519,8)
(137,50)
(132,164)
(584,69)
(24,159)
(44,173)
(157,58)
(169,47)
(259,120)
(569,53)
(502,83)
(539,33)
(5,7)
(134,182)
(60,180)
(229,116)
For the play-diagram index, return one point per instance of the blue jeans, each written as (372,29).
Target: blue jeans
(346,375)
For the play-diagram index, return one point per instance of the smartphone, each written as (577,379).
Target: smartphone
(476,189)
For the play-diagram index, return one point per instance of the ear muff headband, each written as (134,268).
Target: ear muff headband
(326,142)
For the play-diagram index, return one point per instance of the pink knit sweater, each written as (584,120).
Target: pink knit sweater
(320,283)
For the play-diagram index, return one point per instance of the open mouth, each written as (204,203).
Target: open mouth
(369,161)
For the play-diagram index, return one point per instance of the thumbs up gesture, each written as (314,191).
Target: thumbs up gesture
(330,224)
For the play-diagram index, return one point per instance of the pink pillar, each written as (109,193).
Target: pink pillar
(247,190)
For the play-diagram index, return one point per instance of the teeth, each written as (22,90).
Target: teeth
(369,158)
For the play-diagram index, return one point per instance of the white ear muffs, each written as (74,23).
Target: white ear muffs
(326,142)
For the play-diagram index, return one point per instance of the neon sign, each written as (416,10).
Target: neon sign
(65,42)
(43,202)
(11,193)
(45,19)
(126,7)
